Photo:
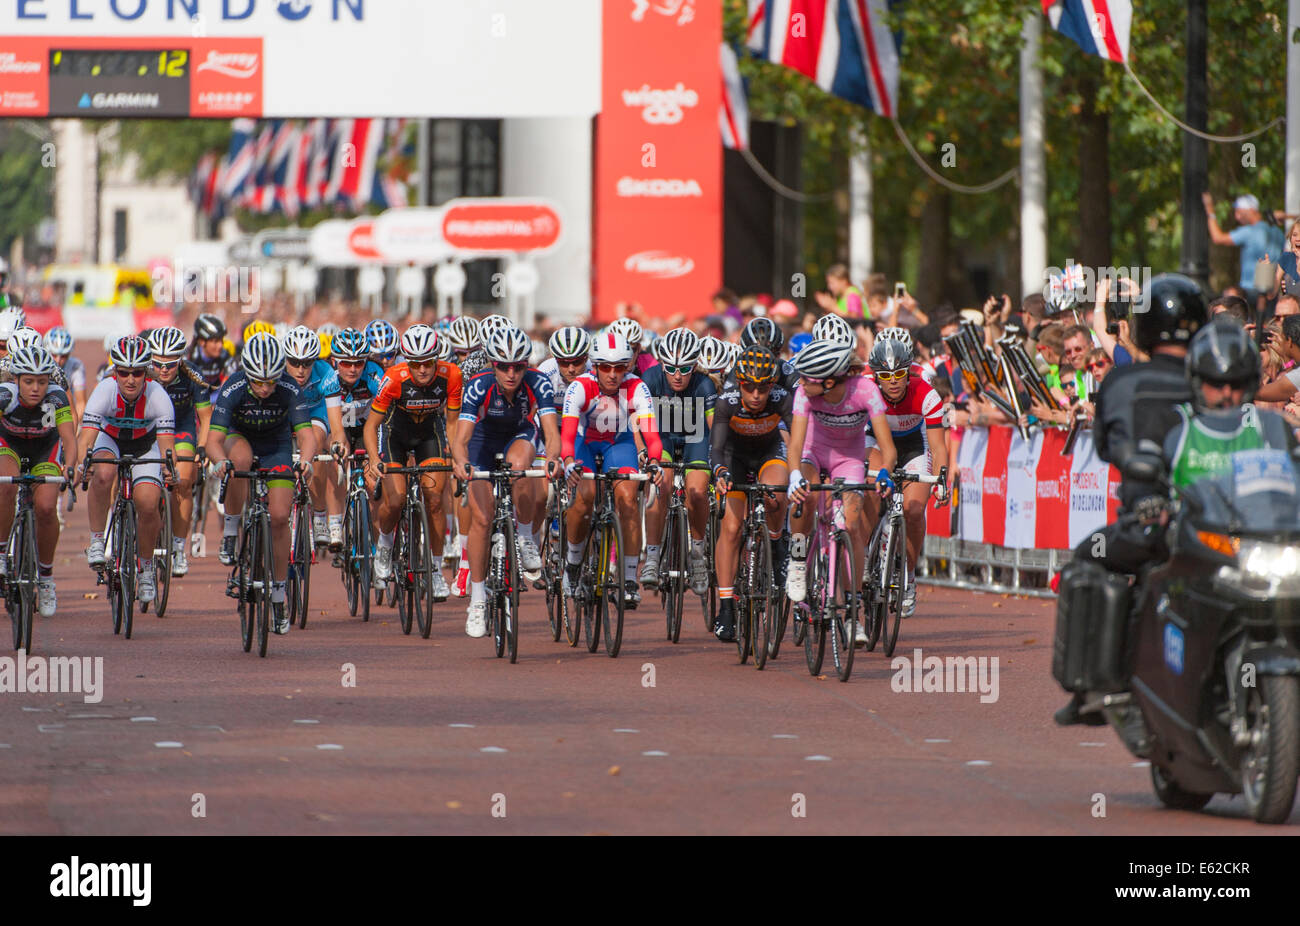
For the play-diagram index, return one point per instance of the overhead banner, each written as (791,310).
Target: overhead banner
(658,185)
(301,58)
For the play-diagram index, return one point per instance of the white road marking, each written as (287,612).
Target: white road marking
(144,720)
(785,736)
(169,744)
(816,758)
(979,762)
(328,746)
(465,726)
(626,730)
(936,740)
(306,721)
(492,749)
(654,752)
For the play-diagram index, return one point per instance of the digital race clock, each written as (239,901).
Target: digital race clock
(119,82)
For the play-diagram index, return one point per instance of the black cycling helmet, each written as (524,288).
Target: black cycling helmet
(1170,311)
(207,327)
(763,330)
(1222,353)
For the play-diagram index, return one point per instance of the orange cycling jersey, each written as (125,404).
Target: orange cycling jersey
(400,400)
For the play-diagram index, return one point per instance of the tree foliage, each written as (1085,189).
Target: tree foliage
(25,184)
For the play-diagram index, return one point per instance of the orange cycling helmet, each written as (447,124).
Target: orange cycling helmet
(756,364)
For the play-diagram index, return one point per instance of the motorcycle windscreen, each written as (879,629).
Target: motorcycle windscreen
(1258,492)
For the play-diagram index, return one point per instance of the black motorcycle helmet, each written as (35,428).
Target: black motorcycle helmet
(1170,311)
(207,327)
(763,330)
(1222,353)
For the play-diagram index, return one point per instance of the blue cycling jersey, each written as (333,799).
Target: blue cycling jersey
(484,403)
(277,416)
(321,391)
(357,397)
(682,417)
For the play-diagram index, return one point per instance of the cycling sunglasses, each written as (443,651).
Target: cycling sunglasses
(896,375)
(165,365)
(130,374)
(510,367)
(680,370)
(351,363)
(612,367)
(300,364)
(757,387)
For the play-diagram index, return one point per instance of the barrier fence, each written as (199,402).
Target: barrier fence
(1020,508)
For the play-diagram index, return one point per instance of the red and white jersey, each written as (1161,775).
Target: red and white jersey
(919,408)
(150,413)
(929,368)
(604,418)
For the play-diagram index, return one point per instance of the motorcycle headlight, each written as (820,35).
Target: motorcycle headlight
(1264,570)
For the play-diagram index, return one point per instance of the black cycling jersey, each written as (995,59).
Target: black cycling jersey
(212,370)
(737,429)
(188,391)
(237,410)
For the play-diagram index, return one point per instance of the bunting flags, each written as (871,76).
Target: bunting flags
(843,45)
(733,114)
(1099,27)
(286,165)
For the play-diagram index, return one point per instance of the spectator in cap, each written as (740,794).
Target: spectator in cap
(1256,238)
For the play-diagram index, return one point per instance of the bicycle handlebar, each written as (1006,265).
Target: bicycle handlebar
(27,478)
(630,477)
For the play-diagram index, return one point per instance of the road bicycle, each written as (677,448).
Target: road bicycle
(302,551)
(357,563)
(709,602)
(888,577)
(555,551)
(503,576)
(413,559)
(22,576)
(756,594)
(601,592)
(121,566)
(830,605)
(675,551)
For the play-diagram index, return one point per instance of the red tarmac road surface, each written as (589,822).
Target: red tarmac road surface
(438,736)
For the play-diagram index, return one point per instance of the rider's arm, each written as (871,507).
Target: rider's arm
(798,433)
(575,398)
(643,416)
(202,417)
(938,447)
(885,441)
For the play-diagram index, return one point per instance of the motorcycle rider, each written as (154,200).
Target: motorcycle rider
(1137,403)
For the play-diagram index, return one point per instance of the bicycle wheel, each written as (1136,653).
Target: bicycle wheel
(595,563)
(743,589)
(363,554)
(127,567)
(553,553)
(298,577)
(349,571)
(672,572)
(762,603)
(843,607)
(709,602)
(267,570)
(420,581)
(397,581)
(814,640)
(162,562)
(22,580)
(509,592)
(614,594)
(779,621)
(894,586)
(244,583)
(872,612)
(13,603)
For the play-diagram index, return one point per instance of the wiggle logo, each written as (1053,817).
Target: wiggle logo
(661,107)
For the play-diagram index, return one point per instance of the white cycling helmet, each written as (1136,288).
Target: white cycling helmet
(167,342)
(329,329)
(570,343)
(10,321)
(630,328)
(610,346)
(679,347)
(31,361)
(833,328)
(25,337)
(901,335)
(509,345)
(420,342)
(714,355)
(491,325)
(301,343)
(463,333)
(445,350)
(262,357)
(59,341)
(823,359)
(129,353)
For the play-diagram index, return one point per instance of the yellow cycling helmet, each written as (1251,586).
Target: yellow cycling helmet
(258,327)
(325,340)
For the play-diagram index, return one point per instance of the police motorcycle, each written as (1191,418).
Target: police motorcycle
(1201,674)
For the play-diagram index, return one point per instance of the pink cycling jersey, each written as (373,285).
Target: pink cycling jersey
(840,425)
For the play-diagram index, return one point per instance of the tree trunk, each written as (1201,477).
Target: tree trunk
(1094,174)
(936,275)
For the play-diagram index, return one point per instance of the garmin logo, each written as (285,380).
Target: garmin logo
(118,101)
(187,10)
(103,879)
(658,264)
(232,64)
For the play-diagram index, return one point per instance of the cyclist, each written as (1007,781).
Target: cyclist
(192,403)
(59,341)
(11,319)
(318,391)
(497,417)
(915,413)
(35,419)
(751,425)
(383,340)
(569,347)
(259,413)
(683,402)
(603,409)
(359,380)
(22,338)
(210,353)
(631,329)
(715,360)
(408,419)
(833,408)
(127,415)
